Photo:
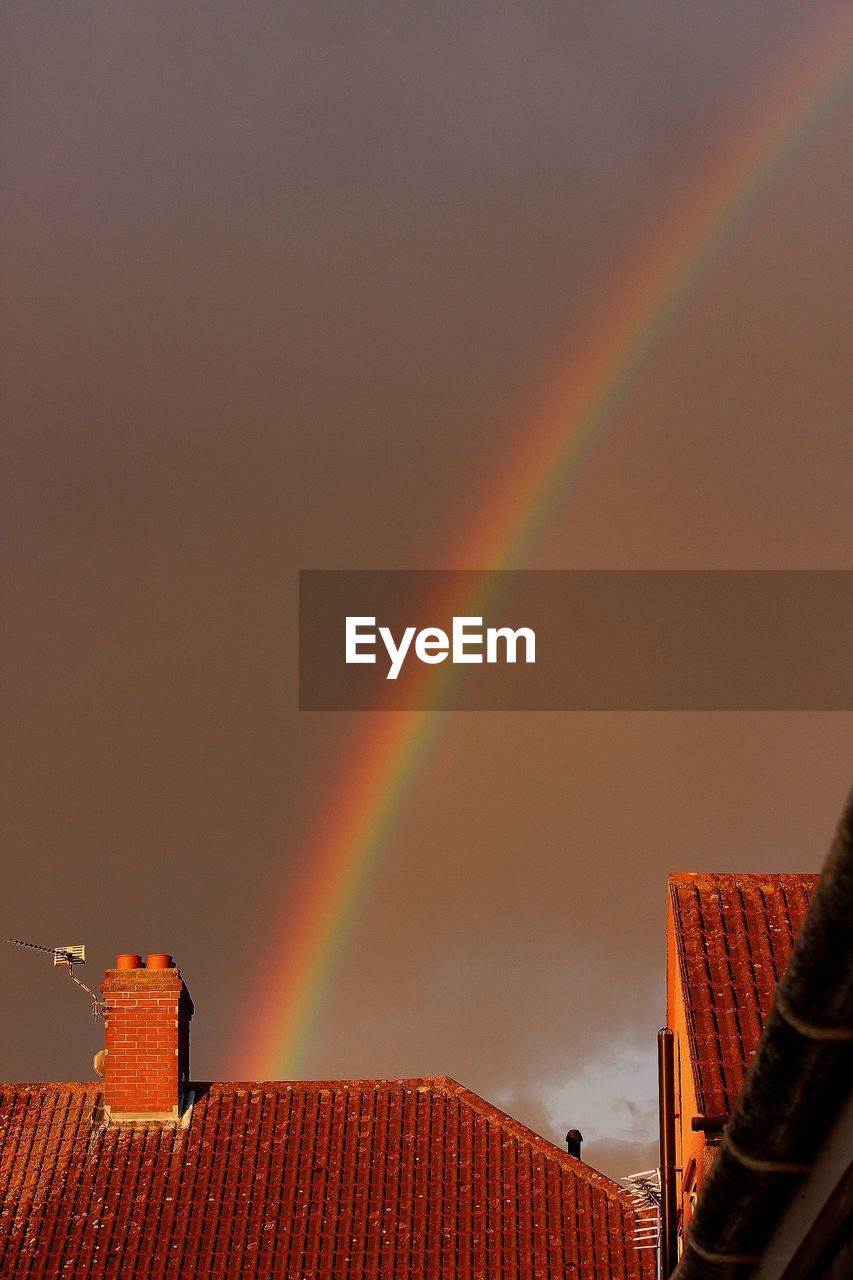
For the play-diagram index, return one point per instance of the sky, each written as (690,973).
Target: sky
(283,284)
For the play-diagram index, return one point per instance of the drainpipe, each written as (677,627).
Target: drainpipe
(668,1182)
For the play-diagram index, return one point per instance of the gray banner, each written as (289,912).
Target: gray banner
(647,640)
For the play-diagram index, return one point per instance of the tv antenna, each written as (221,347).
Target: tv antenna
(645,1195)
(66,957)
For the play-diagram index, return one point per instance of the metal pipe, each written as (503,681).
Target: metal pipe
(668,1181)
(709,1124)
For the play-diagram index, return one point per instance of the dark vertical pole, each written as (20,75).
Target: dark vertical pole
(668,1183)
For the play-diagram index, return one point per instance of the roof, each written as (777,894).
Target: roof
(734,934)
(345,1179)
(777,1197)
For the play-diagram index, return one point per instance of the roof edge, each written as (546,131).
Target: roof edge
(572,1163)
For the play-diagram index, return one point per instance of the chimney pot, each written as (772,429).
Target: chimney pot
(129,960)
(574,1138)
(160,960)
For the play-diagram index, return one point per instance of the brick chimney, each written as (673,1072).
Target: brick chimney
(147,1060)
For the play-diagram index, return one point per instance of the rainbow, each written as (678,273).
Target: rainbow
(311,930)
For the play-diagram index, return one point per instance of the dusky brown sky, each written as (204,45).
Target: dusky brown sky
(281,283)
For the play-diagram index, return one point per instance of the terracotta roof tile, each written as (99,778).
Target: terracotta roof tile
(734,934)
(417,1178)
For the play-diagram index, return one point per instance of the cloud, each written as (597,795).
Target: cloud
(612,1099)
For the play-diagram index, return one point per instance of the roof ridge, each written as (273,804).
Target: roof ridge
(413,1082)
(690,877)
(51,1084)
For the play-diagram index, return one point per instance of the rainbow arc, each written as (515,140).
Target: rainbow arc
(311,926)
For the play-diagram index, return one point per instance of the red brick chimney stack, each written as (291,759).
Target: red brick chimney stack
(147,1011)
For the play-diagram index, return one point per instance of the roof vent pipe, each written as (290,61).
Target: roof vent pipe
(574,1138)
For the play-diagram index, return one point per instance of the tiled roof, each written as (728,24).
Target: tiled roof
(734,934)
(341,1179)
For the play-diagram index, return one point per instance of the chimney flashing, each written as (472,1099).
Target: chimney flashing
(177,1115)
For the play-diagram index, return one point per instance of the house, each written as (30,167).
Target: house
(729,940)
(149,1174)
(776,1199)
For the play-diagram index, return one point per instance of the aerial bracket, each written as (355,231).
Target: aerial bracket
(67,957)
